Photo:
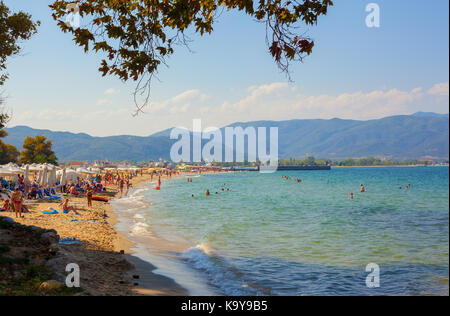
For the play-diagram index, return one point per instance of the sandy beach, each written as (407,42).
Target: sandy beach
(107,266)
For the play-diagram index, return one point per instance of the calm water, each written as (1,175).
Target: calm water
(270,236)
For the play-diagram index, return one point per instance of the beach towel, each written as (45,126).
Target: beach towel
(53,198)
(84,221)
(50,211)
(69,241)
(8,219)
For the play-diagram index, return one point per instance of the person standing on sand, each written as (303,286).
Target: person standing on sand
(17,200)
(89,196)
(121,184)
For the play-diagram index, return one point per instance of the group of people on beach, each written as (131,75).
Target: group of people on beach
(14,194)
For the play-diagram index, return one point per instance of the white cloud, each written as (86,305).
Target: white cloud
(440,89)
(111,91)
(180,109)
(275,101)
(189,96)
(102,102)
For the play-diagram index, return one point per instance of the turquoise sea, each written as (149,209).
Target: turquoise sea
(271,236)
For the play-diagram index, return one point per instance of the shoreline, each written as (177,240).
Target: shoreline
(160,253)
(150,283)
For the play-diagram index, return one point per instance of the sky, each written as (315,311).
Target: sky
(354,72)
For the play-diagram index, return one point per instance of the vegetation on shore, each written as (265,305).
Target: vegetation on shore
(349,162)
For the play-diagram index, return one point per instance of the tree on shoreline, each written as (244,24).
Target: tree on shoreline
(37,150)
(137,36)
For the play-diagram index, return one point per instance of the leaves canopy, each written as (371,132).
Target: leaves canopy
(14,27)
(136,36)
(37,150)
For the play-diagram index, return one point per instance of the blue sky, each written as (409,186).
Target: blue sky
(354,72)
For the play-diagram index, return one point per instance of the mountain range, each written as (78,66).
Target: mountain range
(419,136)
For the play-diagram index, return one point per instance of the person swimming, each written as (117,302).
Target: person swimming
(207,193)
(363,189)
(351,195)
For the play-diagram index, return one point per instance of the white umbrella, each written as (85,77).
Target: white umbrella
(27,174)
(15,170)
(63,177)
(39,179)
(5,172)
(51,177)
(54,177)
(45,177)
(85,171)
(35,167)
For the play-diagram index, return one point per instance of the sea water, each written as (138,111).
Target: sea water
(272,236)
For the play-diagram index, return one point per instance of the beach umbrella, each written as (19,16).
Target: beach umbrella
(84,171)
(51,177)
(15,170)
(39,179)
(45,177)
(5,172)
(63,177)
(27,174)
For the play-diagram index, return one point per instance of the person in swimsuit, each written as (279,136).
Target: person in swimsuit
(121,184)
(363,189)
(129,185)
(89,196)
(6,206)
(17,200)
(67,208)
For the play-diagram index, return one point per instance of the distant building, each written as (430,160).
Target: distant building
(77,164)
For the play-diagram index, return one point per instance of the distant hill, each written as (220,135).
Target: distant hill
(429,114)
(418,136)
(69,146)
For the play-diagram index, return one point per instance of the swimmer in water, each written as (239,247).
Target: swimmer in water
(207,193)
(351,195)
(192,195)
(363,189)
